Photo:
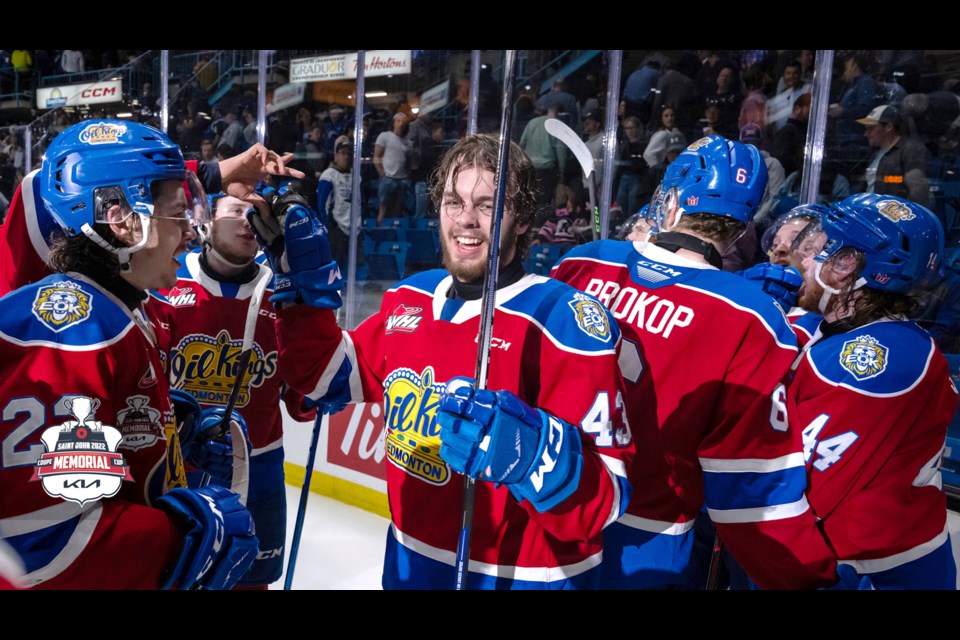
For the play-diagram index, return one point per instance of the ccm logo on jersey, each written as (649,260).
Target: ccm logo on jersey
(404,319)
(641,309)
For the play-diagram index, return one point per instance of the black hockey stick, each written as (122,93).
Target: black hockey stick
(304,494)
(559,130)
(487,305)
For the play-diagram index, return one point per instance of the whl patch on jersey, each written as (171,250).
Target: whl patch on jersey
(864,357)
(61,305)
(139,424)
(895,211)
(404,319)
(182,297)
(206,368)
(81,463)
(410,416)
(591,317)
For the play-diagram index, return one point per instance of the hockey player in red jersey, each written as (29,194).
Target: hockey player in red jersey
(204,315)
(546,441)
(708,412)
(873,396)
(79,343)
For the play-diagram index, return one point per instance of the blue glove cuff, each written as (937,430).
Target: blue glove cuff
(555,474)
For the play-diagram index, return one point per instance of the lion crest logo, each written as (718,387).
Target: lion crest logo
(61,305)
(591,317)
(864,357)
(895,211)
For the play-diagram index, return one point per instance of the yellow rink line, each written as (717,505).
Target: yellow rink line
(339,489)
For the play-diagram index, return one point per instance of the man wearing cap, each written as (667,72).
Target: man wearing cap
(390,159)
(334,191)
(593,137)
(675,143)
(898,168)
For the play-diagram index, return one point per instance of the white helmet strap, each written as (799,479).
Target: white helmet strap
(828,291)
(122,253)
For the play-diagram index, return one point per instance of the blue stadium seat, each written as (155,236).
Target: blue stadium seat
(388,261)
(392,230)
(424,238)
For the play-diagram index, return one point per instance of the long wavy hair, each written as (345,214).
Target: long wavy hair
(483,151)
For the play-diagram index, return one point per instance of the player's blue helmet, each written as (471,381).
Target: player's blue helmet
(713,175)
(902,242)
(97,162)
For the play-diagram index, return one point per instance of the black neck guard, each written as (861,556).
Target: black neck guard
(473,290)
(672,241)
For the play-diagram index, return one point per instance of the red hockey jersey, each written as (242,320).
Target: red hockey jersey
(64,337)
(873,405)
(552,346)
(708,417)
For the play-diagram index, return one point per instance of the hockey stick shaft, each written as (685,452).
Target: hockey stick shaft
(487,306)
(304,494)
(713,573)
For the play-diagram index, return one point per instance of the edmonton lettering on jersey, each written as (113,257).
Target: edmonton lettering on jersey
(206,367)
(410,416)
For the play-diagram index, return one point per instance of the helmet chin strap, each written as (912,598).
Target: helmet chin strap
(122,253)
(828,291)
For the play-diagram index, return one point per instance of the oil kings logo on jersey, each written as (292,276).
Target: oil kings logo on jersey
(410,416)
(404,319)
(102,133)
(591,317)
(139,424)
(895,211)
(864,357)
(61,305)
(182,297)
(81,463)
(206,368)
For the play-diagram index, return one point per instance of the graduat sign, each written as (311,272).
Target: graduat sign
(383,62)
(76,94)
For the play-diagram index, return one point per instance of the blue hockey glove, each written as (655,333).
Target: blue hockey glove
(186,409)
(220,544)
(295,242)
(496,436)
(212,452)
(850,580)
(780,282)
